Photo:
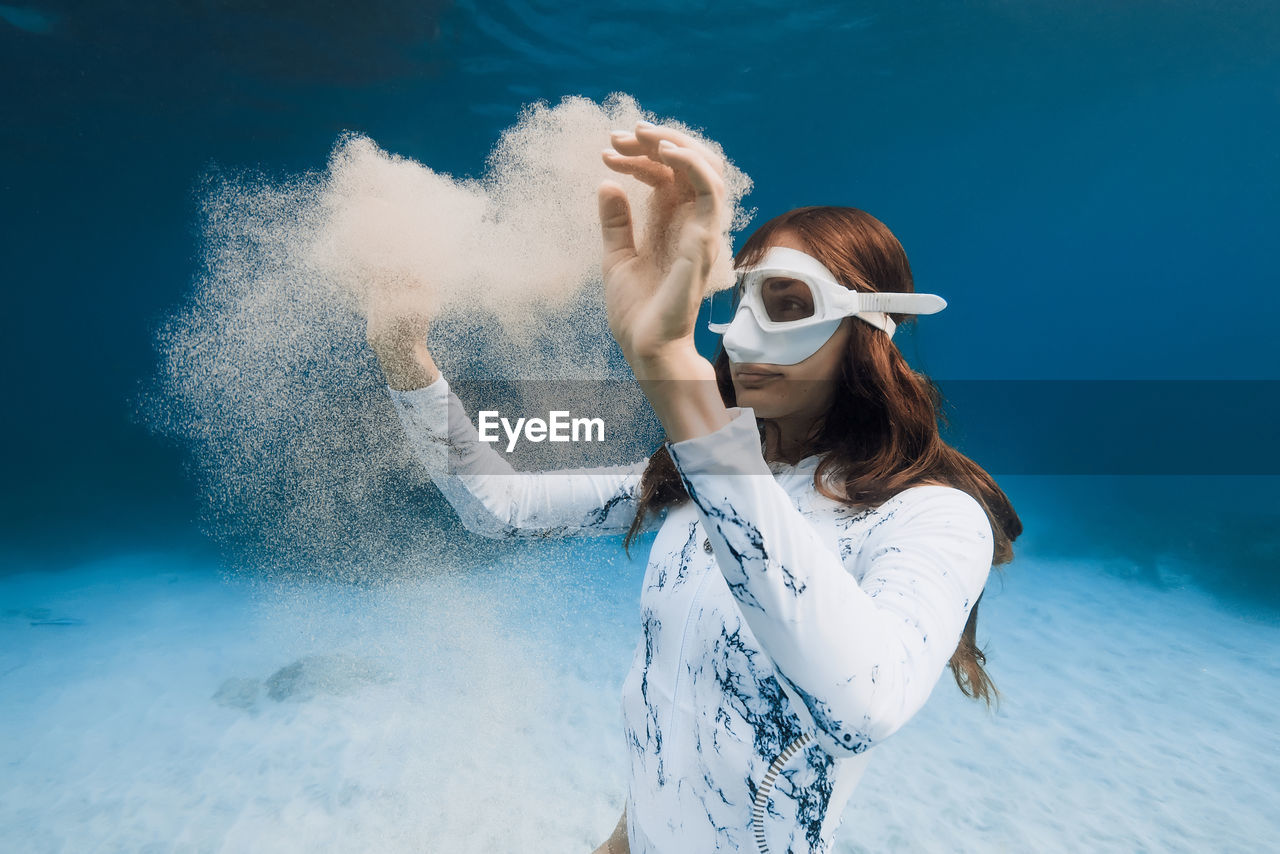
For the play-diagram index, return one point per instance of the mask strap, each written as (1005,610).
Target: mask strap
(878,319)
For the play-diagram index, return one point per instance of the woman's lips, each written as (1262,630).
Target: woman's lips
(754,374)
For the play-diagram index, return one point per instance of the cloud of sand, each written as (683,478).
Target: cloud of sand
(521,243)
(265,374)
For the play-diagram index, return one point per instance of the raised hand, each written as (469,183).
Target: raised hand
(653,288)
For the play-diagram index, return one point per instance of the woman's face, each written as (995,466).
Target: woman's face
(791,392)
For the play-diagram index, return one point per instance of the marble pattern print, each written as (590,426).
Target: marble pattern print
(781,635)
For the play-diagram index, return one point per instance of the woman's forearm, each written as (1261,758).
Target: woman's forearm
(681,387)
(490,496)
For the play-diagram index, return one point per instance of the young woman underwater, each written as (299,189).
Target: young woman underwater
(820,551)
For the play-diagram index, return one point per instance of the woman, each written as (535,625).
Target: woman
(820,551)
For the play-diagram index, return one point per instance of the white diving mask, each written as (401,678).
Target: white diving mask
(787,306)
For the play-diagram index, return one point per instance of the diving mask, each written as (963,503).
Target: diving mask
(787,306)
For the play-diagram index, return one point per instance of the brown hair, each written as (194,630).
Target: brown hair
(880,435)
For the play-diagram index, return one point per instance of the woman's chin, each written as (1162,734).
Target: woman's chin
(758,400)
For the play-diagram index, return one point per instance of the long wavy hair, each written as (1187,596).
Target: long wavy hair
(881,432)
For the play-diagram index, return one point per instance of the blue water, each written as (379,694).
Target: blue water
(1095,190)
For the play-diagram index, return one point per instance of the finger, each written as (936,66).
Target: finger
(700,151)
(681,291)
(627,143)
(706,184)
(650,135)
(647,137)
(646,142)
(640,153)
(641,168)
(615,224)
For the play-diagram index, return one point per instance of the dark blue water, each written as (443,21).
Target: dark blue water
(1093,188)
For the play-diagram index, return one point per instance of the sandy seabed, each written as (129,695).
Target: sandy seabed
(148,703)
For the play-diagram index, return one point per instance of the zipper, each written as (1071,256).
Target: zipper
(766,786)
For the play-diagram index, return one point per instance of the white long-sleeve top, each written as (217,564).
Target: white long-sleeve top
(783,633)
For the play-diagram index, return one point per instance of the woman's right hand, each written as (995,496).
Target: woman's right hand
(396,329)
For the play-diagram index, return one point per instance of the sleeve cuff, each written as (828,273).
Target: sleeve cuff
(429,396)
(733,449)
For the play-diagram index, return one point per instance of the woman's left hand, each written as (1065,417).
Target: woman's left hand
(653,290)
